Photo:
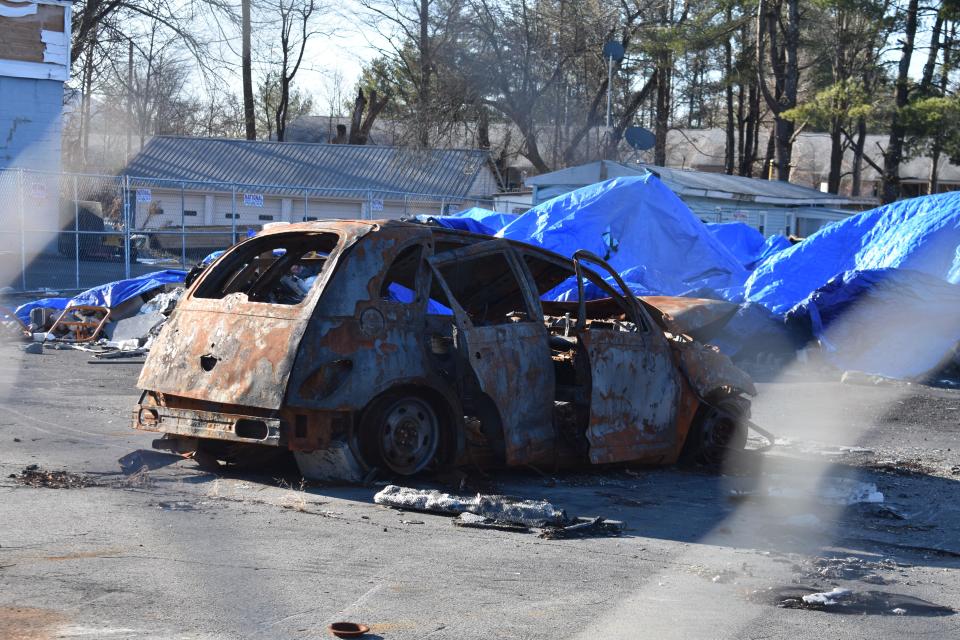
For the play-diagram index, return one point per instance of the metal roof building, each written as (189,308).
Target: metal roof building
(341,168)
(772,206)
(189,182)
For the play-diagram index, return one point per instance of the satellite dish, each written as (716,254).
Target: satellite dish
(639,138)
(613,49)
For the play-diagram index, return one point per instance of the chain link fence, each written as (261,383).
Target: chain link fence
(66,232)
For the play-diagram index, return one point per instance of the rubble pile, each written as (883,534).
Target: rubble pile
(34,476)
(498,512)
(119,318)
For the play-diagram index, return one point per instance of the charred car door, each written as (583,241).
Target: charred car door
(635,386)
(501,338)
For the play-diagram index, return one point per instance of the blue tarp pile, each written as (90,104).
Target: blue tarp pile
(641,228)
(106,295)
(922,234)
(880,289)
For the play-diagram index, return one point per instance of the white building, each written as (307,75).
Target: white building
(215,182)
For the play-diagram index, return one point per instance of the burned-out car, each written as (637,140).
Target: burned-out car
(401,347)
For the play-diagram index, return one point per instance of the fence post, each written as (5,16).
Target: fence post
(76,233)
(23,243)
(233,214)
(183,231)
(129,219)
(306,204)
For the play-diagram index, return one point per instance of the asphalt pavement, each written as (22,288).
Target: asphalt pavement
(171,551)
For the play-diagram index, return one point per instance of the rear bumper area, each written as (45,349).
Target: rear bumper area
(208,424)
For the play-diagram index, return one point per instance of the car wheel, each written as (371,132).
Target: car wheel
(718,429)
(400,432)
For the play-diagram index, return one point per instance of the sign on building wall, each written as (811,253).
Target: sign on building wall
(376,204)
(144,195)
(253,200)
(39,191)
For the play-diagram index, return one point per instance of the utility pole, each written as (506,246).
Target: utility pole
(129,99)
(248,114)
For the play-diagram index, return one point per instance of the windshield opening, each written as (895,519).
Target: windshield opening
(274,269)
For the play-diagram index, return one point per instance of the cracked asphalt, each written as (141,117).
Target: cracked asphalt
(175,552)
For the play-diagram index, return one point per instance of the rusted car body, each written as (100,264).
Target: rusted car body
(400,346)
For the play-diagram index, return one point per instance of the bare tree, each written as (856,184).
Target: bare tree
(893,154)
(781,33)
(247,72)
(269,97)
(295,25)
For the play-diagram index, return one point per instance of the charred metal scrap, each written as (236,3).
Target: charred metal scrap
(401,347)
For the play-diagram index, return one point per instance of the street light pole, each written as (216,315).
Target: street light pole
(613,50)
(609,86)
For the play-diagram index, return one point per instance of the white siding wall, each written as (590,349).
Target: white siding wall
(169,200)
(484,184)
(30,123)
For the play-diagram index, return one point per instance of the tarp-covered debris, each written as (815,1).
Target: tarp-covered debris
(922,234)
(106,295)
(898,323)
(641,228)
(474,220)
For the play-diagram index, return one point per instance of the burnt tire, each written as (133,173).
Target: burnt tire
(719,429)
(402,432)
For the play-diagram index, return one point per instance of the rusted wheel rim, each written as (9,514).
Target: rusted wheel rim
(718,434)
(409,435)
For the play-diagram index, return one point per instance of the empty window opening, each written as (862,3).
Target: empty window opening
(400,282)
(275,269)
(557,287)
(487,288)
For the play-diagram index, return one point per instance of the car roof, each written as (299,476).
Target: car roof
(353,230)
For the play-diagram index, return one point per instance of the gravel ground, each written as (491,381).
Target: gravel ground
(175,552)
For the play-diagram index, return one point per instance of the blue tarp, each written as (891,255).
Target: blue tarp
(462,224)
(106,295)
(641,228)
(493,220)
(893,322)
(746,243)
(475,220)
(922,234)
(774,244)
(742,240)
